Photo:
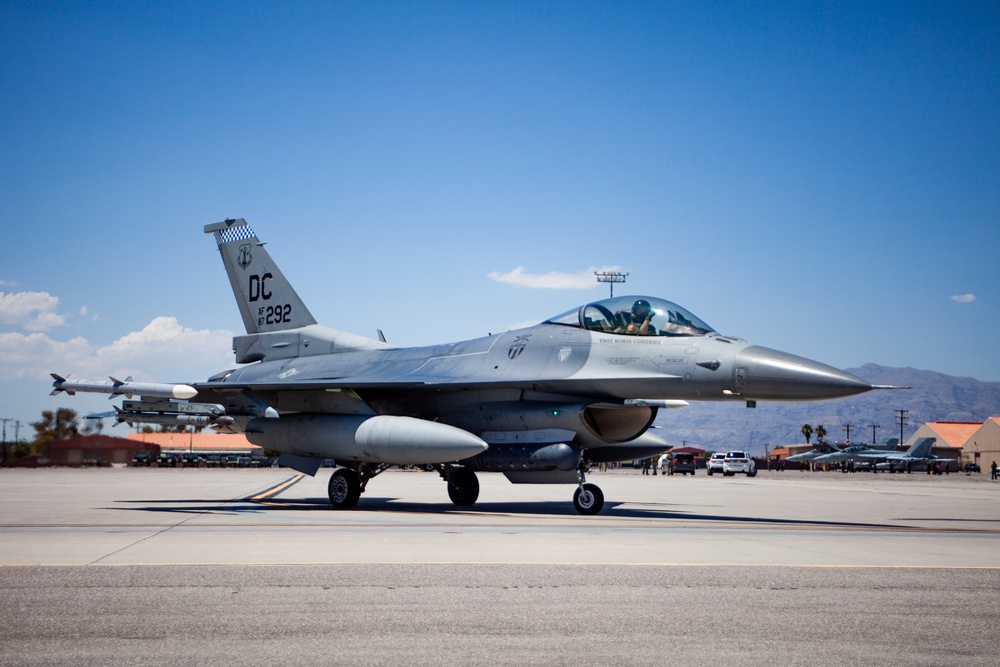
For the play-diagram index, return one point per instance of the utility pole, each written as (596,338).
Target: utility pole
(901,417)
(610,277)
(873,427)
(3,445)
(847,427)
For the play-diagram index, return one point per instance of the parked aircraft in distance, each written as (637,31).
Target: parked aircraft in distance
(820,449)
(919,452)
(539,404)
(857,452)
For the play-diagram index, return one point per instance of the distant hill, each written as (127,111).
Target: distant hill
(933,397)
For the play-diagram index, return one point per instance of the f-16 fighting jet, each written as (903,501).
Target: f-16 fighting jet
(539,405)
(856,452)
(919,453)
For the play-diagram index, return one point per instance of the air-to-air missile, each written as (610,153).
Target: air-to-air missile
(125,387)
(170,413)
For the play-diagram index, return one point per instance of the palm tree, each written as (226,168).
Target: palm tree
(807,431)
(820,433)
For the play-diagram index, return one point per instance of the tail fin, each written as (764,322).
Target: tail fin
(266,299)
(921,447)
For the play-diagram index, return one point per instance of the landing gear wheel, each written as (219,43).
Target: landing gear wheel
(588,499)
(463,487)
(344,489)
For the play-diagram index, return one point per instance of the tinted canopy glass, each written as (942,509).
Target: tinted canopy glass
(636,316)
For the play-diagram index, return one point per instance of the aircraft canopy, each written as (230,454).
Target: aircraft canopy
(629,315)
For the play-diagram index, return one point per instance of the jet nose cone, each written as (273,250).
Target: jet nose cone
(765,374)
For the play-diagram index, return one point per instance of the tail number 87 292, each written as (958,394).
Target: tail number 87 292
(277,314)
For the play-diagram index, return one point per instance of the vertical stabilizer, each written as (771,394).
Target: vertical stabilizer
(921,448)
(266,299)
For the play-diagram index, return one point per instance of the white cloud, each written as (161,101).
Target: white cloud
(35,355)
(964,298)
(35,311)
(164,351)
(551,280)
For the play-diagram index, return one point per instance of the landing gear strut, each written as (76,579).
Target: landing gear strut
(346,484)
(588,498)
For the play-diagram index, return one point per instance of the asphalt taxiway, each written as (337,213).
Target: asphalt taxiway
(126,566)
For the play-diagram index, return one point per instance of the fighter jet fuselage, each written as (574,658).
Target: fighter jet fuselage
(538,404)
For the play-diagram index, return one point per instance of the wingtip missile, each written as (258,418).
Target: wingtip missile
(127,387)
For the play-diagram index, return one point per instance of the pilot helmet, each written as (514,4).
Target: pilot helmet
(641,305)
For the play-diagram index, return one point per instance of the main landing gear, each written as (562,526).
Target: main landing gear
(463,485)
(347,484)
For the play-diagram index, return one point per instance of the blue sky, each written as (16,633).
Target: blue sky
(823,178)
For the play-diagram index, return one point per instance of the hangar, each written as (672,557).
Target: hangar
(97,450)
(199,442)
(983,446)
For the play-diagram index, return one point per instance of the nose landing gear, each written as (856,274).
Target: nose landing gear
(588,498)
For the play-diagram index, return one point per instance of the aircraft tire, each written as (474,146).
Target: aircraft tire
(344,489)
(589,499)
(463,487)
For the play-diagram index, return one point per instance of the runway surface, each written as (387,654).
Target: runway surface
(147,566)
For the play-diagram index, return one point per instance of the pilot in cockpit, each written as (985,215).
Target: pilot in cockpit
(638,321)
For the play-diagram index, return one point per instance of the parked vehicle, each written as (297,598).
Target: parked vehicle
(166,460)
(190,460)
(141,460)
(738,461)
(714,463)
(683,463)
(972,467)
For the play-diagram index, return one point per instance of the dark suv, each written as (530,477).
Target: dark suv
(682,463)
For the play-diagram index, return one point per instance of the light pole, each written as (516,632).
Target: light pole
(610,277)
